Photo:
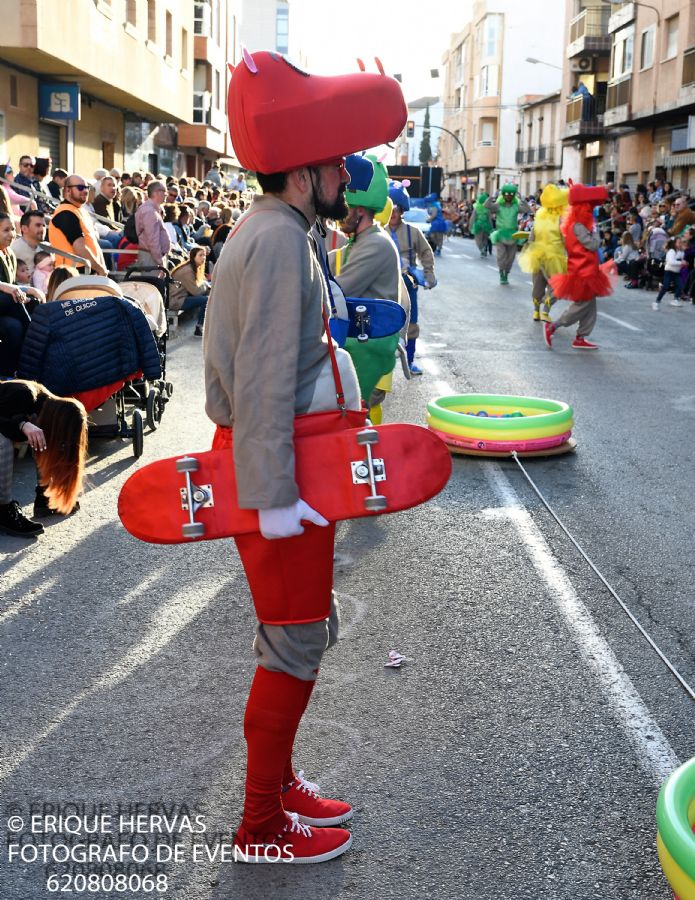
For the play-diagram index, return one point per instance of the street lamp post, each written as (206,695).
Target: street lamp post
(458,141)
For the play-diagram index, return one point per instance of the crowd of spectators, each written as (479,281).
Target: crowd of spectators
(636,228)
(107,222)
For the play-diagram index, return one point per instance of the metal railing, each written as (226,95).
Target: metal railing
(535,155)
(591,22)
(619,92)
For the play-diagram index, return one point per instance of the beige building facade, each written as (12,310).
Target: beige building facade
(639,120)
(487,61)
(539,149)
(130,62)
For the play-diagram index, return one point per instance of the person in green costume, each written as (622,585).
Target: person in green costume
(506,225)
(481,224)
(369,266)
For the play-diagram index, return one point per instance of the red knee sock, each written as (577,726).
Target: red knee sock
(288,775)
(275,706)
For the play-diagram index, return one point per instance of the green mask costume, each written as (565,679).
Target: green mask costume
(507,217)
(482,222)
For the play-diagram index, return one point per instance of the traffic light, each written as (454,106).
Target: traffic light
(410,128)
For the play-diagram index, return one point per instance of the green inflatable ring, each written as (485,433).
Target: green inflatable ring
(675,811)
(537,413)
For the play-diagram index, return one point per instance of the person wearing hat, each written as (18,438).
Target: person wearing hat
(481,224)
(368,266)
(506,225)
(438,226)
(414,251)
(585,279)
(271,375)
(544,255)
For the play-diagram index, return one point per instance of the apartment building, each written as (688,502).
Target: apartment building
(638,121)
(539,148)
(216,38)
(486,63)
(90,86)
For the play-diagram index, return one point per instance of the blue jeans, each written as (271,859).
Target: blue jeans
(199,302)
(670,278)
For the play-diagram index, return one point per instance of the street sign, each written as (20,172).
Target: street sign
(59,100)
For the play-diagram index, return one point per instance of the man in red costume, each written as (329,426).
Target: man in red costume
(585,279)
(271,375)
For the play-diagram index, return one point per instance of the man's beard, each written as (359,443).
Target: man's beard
(336,210)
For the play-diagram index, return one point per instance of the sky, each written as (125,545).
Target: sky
(408,36)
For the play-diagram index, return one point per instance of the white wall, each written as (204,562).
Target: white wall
(418,116)
(534,28)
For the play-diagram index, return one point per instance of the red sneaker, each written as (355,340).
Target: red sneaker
(548,331)
(303,797)
(580,343)
(296,843)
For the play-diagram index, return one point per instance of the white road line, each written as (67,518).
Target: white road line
(430,366)
(530,282)
(444,389)
(619,322)
(654,753)
(494,268)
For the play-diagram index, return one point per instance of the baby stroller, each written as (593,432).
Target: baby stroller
(93,344)
(151,293)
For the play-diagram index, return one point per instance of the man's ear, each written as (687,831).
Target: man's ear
(301,179)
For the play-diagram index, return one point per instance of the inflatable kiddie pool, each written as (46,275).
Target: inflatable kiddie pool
(675,841)
(497,424)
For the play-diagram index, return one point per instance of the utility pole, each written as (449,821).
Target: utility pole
(456,138)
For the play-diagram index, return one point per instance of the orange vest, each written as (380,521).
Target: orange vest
(58,239)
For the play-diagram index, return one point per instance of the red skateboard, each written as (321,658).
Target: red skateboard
(343,475)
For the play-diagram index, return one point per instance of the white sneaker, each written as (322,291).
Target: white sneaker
(675,302)
(656,306)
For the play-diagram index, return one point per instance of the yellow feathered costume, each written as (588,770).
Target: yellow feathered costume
(546,251)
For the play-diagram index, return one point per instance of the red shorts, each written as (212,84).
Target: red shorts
(291,579)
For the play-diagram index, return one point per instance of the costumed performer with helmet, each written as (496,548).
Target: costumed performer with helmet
(544,255)
(481,224)
(585,279)
(438,226)
(414,251)
(506,225)
(270,375)
(368,266)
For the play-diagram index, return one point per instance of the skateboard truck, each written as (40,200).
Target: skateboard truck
(370,470)
(193,497)
(362,322)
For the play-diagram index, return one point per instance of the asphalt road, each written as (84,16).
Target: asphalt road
(518,751)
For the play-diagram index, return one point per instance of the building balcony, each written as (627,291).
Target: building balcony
(623,16)
(618,101)
(686,93)
(584,117)
(589,32)
(535,157)
(202,137)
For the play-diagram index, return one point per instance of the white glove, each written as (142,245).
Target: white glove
(286,521)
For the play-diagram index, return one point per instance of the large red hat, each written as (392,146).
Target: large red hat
(282,118)
(587,193)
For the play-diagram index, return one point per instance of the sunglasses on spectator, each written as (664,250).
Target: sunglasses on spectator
(27,165)
(79,187)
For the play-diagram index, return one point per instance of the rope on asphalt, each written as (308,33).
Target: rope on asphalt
(684,684)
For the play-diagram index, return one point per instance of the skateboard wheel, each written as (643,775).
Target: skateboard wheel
(375,504)
(368,436)
(187,464)
(362,338)
(193,529)
(360,310)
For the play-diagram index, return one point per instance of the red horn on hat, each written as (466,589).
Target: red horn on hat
(281,118)
(360,65)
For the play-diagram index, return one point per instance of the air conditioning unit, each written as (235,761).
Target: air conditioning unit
(581,64)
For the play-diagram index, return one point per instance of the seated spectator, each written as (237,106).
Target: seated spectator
(626,253)
(58,276)
(183,230)
(137,179)
(170,215)
(684,217)
(221,233)
(173,194)
(32,232)
(72,229)
(634,226)
(105,202)
(16,303)
(12,202)
(192,292)
(55,185)
(23,275)
(56,430)
(43,268)
(126,180)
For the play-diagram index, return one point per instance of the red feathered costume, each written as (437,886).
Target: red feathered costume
(584,279)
